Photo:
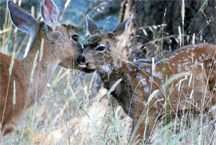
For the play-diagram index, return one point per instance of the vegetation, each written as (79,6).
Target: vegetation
(75,109)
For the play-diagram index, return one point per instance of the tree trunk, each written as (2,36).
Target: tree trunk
(157,25)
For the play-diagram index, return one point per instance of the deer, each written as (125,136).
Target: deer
(189,74)
(53,44)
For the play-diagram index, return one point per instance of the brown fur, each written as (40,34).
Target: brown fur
(6,93)
(58,48)
(139,81)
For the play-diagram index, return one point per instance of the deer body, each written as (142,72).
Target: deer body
(60,46)
(192,91)
(6,89)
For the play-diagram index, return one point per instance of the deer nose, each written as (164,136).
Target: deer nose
(80,59)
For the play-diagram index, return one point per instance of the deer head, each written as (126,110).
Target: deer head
(100,48)
(63,41)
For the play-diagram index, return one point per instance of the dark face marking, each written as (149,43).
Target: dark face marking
(93,41)
(96,40)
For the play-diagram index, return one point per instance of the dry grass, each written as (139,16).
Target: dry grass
(75,110)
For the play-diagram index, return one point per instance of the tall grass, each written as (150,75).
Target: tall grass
(70,110)
(75,109)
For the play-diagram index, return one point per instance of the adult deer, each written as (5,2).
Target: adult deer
(60,46)
(144,78)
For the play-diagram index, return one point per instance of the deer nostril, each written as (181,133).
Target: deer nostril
(80,59)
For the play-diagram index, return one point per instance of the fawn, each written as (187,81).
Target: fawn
(140,79)
(61,46)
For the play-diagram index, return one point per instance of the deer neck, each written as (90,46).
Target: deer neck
(124,90)
(37,80)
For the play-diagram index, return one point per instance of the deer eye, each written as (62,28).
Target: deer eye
(75,37)
(101,48)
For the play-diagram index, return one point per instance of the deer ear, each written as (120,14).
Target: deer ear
(121,30)
(91,26)
(22,19)
(50,14)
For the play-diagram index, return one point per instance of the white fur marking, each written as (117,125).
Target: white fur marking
(143,81)
(107,69)
(186,68)
(148,70)
(146,89)
(157,74)
(150,80)
(82,65)
(163,69)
